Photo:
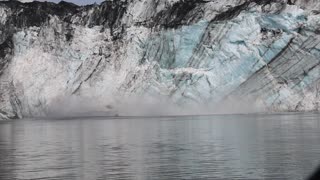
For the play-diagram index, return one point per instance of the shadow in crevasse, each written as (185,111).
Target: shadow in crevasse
(315,175)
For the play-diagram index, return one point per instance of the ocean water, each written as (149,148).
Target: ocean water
(255,146)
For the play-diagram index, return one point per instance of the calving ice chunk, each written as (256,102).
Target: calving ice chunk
(196,56)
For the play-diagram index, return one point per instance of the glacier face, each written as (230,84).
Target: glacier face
(196,56)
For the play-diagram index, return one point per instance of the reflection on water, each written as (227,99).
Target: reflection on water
(218,147)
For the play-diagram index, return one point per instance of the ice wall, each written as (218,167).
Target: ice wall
(185,57)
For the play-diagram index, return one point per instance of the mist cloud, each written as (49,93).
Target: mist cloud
(78,106)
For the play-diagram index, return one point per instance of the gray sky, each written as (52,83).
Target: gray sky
(81,2)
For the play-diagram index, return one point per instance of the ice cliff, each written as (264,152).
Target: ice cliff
(210,55)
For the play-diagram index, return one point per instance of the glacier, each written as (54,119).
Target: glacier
(136,57)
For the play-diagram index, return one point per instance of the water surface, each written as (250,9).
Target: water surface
(273,147)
